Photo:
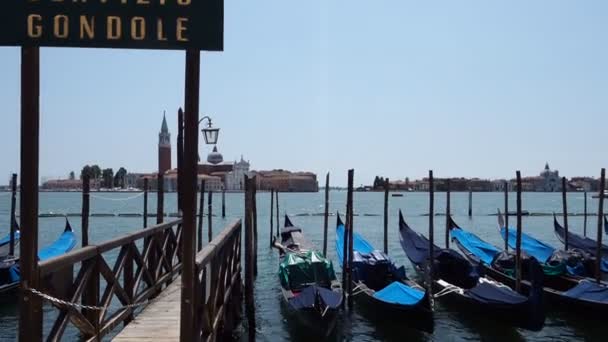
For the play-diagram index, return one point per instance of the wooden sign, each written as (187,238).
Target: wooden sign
(129,24)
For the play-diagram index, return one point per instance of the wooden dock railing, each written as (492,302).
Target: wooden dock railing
(218,285)
(135,277)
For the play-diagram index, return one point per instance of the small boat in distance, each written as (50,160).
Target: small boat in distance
(9,267)
(309,285)
(383,290)
(397,194)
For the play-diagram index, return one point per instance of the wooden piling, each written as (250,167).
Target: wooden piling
(447,215)
(386,189)
(351,174)
(585,216)
(470,202)
(13,219)
(518,240)
(565,209)
(145,202)
(326,216)
(431,231)
(86,184)
(254,211)
(201,210)
(30,305)
(210,215)
(271,217)
(600,222)
(276,194)
(188,174)
(223,202)
(180,154)
(506,216)
(160,199)
(248,220)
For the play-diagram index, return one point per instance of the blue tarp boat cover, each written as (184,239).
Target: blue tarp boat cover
(589,290)
(65,243)
(495,294)
(481,249)
(538,249)
(359,244)
(581,242)
(7,239)
(399,293)
(314,295)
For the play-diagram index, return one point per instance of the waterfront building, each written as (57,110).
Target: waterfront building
(234,179)
(286,181)
(164,148)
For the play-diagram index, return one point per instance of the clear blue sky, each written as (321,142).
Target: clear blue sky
(394,88)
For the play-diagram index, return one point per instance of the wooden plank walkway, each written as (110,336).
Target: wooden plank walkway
(159,321)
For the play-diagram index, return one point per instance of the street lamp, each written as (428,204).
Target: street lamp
(211,134)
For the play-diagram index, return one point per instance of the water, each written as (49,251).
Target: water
(450,325)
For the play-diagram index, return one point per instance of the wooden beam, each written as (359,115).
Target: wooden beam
(30,313)
(145,202)
(350,228)
(86,184)
(188,314)
(565,210)
(386,189)
(271,217)
(506,216)
(518,240)
(326,216)
(431,228)
(13,219)
(447,215)
(201,209)
(600,222)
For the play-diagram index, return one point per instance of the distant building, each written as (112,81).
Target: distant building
(287,181)
(164,148)
(62,184)
(547,181)
(584,184)
(234,179)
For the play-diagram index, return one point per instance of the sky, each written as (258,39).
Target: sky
(391,88)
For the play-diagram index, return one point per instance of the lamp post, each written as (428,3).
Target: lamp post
(211,134)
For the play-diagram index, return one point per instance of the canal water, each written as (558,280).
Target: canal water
(306,210)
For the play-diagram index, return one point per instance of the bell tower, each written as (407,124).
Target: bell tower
(164,147)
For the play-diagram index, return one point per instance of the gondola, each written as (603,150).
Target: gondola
(382,289)
(309,285)
(587,245)
(583,295)
(5,243)
(458,281)
(569,265)
(9,267)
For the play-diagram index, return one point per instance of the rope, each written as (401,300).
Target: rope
(116,199)
(446,290)
(81,306)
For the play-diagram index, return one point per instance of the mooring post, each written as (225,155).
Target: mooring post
(248,220)
(11,246)
(600,222)
(276,193)
(201,210)
(431,231)
(470,202)
(254,211)
(565,208)
(145,202)
(506,216)
(351,174)
(180,154)
(160,198)
(223,202)
(271,216)
(585,216)
(386,189)
(86,184)
(518,240)
(30,313)
(326,216)
(447,215)
(210,215)
(188,174)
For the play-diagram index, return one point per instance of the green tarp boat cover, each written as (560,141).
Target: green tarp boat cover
(298,270)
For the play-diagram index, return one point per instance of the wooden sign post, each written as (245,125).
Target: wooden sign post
(180,25)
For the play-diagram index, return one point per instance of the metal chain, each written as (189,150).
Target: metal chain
(81,306)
